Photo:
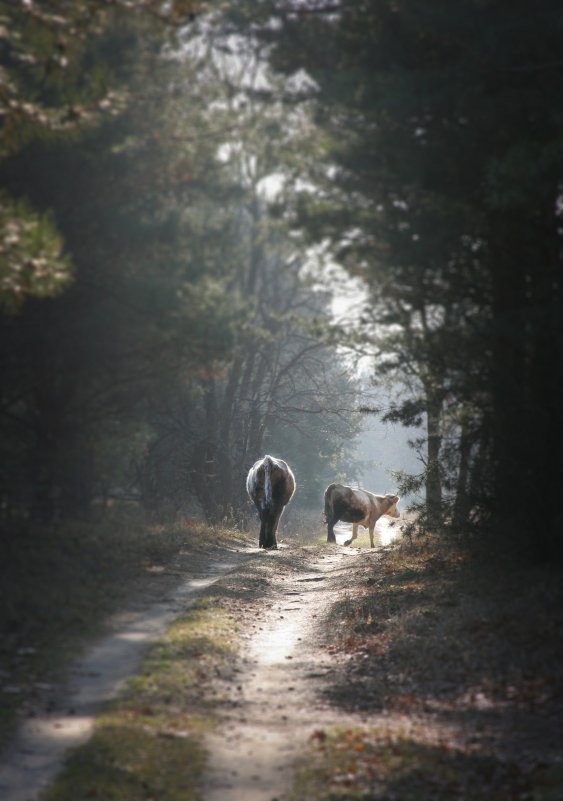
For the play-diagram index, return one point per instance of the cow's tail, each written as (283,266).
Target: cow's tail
(328,493)
(267,481)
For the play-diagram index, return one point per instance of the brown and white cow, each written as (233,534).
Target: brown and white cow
(270,484)
(356,506)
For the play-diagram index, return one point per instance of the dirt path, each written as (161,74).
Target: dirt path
(271,698)
(275,703)
(69,712)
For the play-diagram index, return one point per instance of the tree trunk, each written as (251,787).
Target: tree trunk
(433,471)
(545,382)
(41,479)
(462,501)
(527,376)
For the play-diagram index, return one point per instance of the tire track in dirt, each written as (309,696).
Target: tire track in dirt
(274,705)
(36,755)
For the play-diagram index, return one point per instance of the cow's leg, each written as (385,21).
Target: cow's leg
(331,521)
(354,534)
(371,530)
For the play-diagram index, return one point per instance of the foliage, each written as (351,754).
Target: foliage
(249,296)
(31,259)
(274,377)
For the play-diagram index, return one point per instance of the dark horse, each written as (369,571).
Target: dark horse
(270,485)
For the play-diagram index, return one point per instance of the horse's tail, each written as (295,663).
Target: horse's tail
(267,481)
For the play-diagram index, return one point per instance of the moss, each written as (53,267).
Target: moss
(131,762)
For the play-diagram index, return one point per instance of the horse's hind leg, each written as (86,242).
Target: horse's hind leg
(262,537)
(271,528)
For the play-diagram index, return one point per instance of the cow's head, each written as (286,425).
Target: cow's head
(393,500)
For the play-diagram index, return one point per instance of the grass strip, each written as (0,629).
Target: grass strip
(148,744)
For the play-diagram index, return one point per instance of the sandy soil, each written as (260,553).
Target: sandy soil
(274,705)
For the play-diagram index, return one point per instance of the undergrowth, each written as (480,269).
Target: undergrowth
(454,667)
(372,764)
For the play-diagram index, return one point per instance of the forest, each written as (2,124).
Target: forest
(178,181)
(324,230)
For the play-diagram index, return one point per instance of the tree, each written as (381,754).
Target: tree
(274,375)
(211,425)
(76,366)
